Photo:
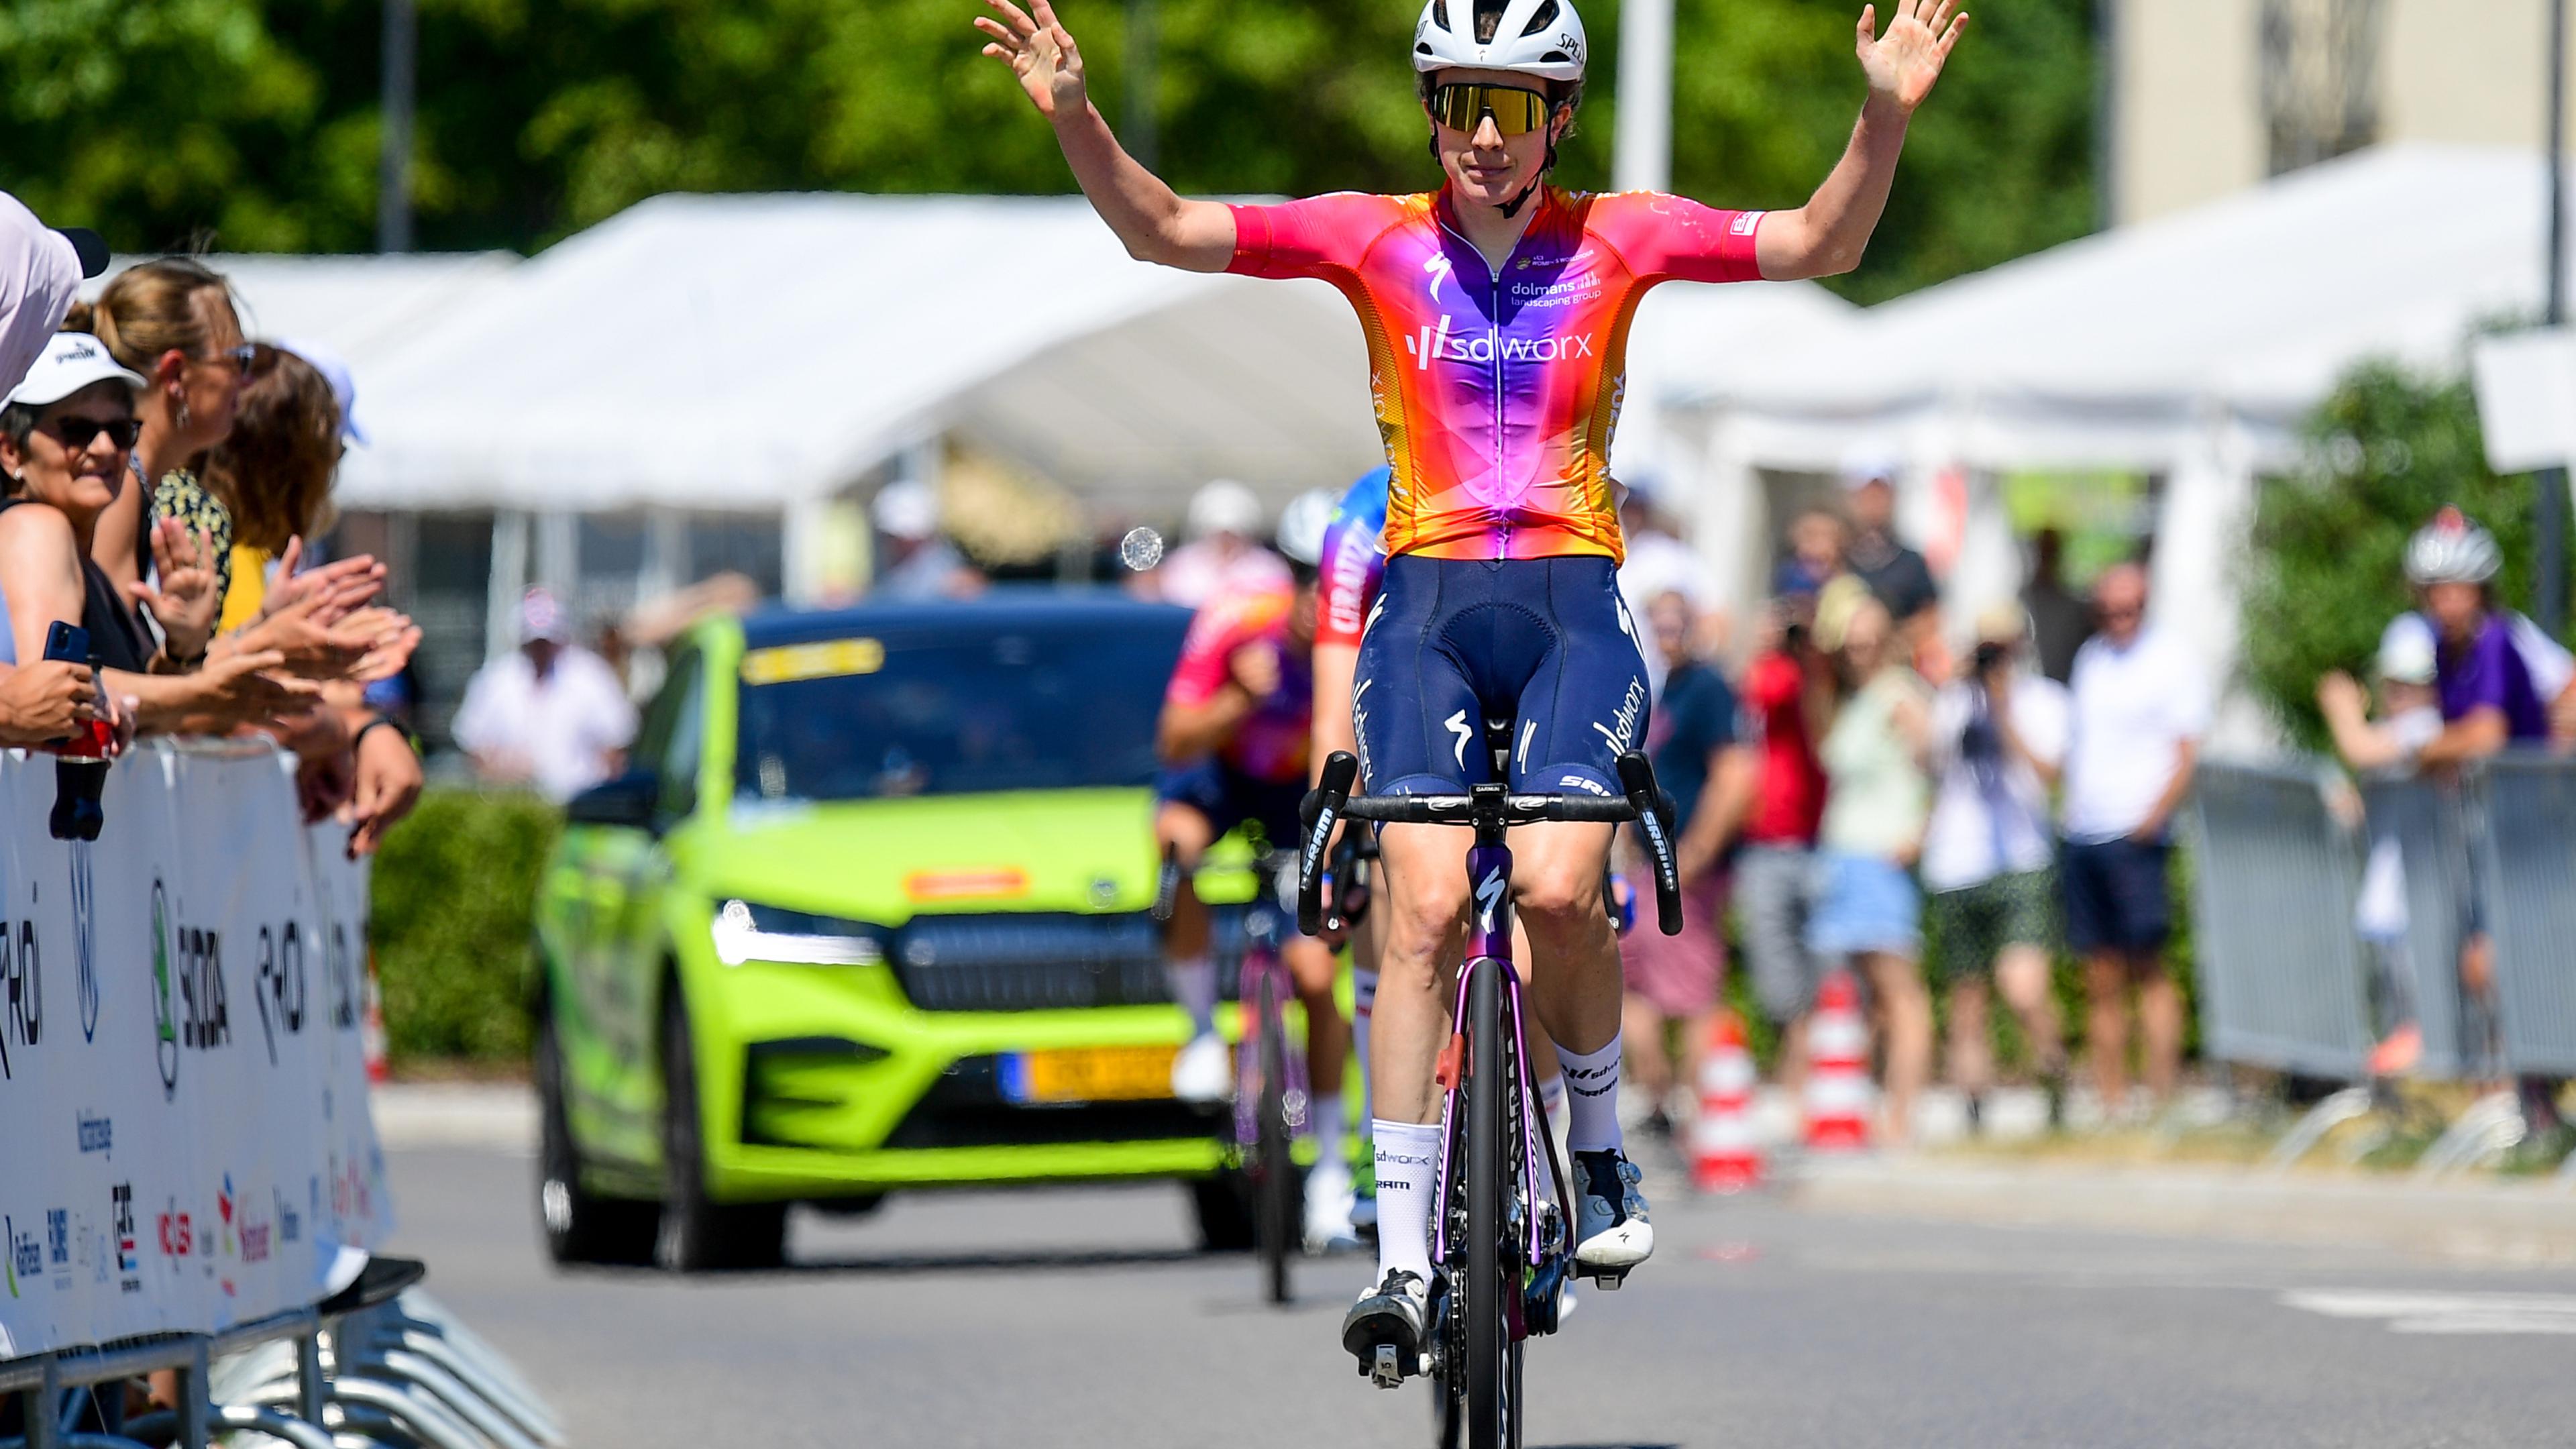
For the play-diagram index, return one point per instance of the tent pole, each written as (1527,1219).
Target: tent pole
(393,196)
(2549,602)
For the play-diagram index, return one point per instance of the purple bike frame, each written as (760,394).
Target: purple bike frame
(1489,948)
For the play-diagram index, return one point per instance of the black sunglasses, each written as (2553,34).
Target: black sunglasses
(77,433)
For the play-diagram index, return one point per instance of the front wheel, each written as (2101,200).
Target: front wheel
(580,1226)
(1493,1260)
(698,1234)
(1280,1209)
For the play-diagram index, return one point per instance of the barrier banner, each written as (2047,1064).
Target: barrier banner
(184,1135)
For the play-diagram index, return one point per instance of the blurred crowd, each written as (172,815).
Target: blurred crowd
(166,480)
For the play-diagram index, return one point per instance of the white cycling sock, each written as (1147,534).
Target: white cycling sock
(1363,1006)
(1591,1098)
(1551,1106)
(1194,986)
(1324,1119)
(1408,1157)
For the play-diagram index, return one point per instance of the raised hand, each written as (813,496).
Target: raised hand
(342,583)
(1040,52)
(1903,63)
(188,601)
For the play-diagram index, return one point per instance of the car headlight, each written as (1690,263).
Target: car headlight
(747,932)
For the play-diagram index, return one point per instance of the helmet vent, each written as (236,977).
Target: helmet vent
(1556,57)
(1540,19)
(1440,13)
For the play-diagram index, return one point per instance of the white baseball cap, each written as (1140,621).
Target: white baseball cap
(2406,650)
(907,510)
(344,388)
(71,361)
(1224,506)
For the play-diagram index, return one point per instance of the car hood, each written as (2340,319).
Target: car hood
(889,860)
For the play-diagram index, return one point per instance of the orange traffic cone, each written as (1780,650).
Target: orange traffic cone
(1838,1090)
(1725,1154)
(371,1025)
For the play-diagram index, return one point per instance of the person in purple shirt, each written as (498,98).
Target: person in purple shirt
(2489,699)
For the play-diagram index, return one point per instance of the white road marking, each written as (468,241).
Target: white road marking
(2446,1313)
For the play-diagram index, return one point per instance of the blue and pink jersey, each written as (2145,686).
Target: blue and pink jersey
(1497,390)
(1271,743)
(1354,561)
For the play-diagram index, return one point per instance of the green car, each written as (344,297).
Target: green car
(870,911)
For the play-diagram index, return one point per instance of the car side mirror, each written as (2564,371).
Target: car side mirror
(631,801)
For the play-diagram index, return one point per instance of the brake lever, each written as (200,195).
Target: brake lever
(1321,810)
(1654,821)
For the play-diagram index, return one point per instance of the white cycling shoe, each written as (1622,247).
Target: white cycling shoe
(1328,1209)
(1611,1233)
(1203,1071)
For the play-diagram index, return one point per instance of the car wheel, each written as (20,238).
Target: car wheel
(580,1226)
(1223,1207)
(698,1234)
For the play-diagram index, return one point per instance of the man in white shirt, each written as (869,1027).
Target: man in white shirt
(550,715)
(2141,704)
(1999,738)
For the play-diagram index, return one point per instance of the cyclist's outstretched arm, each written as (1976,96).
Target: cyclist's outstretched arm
(1156,223)
(1827,235)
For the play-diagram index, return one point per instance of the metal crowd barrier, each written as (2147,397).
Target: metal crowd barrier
(2282,981)
(402,1374)
(2286,980)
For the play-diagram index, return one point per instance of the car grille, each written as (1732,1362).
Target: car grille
(966,1108)
(1041,961)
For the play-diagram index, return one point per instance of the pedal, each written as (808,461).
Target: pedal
(1387,1371)
(1607,1279)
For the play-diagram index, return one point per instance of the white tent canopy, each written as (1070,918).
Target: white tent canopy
(2188,346)
(766,351)
(366,308)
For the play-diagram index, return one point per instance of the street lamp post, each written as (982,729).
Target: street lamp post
(2549,598)
(393,178)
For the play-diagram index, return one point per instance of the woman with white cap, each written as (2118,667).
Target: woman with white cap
(66,433)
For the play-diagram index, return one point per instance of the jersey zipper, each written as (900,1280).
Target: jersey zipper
(1494,348)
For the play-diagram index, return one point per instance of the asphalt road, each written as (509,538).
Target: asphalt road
(1080,1318)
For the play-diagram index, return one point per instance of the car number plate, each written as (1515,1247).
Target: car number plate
(1091,1074)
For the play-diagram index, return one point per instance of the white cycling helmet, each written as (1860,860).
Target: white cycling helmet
(1542,38)
(1302,524)
(2451,550)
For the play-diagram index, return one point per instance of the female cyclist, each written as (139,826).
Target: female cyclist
(1497,311)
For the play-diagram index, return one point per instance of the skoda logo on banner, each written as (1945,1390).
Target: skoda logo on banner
(85,940)
(165,998)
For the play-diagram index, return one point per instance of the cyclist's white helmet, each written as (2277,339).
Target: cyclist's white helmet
(1541,38)
(1302,524)
(2452,550)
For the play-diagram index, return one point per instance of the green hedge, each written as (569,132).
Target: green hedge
(455,890)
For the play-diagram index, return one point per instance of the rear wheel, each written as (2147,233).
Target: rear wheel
(1493,1265)
(580,1226)
(1279,1208)
(699,1234)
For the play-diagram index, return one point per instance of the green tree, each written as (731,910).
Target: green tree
(2327,554)
(257,121)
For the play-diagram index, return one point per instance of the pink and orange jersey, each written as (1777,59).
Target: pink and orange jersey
(1497,390)
(1270,744)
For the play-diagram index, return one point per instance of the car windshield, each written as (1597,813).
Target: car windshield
(945,710)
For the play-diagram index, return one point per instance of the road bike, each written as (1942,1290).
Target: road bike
(1501,1243)
(1271,1093)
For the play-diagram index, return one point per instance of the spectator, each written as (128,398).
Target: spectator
(65,433)
(2489,698)
(1224,555)
(172,322)
(2410,716)
(925,566)
(1998,738)
(40,274)
(1867,910)
(1673,980)
(1657,564)
(1897,575)
(1816,540)
(2141,704)
(2059,620)
(1786,688)
(549,714)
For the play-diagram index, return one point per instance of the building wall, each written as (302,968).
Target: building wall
(2187,105)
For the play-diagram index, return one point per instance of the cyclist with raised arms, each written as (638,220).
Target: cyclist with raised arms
(1496,311)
